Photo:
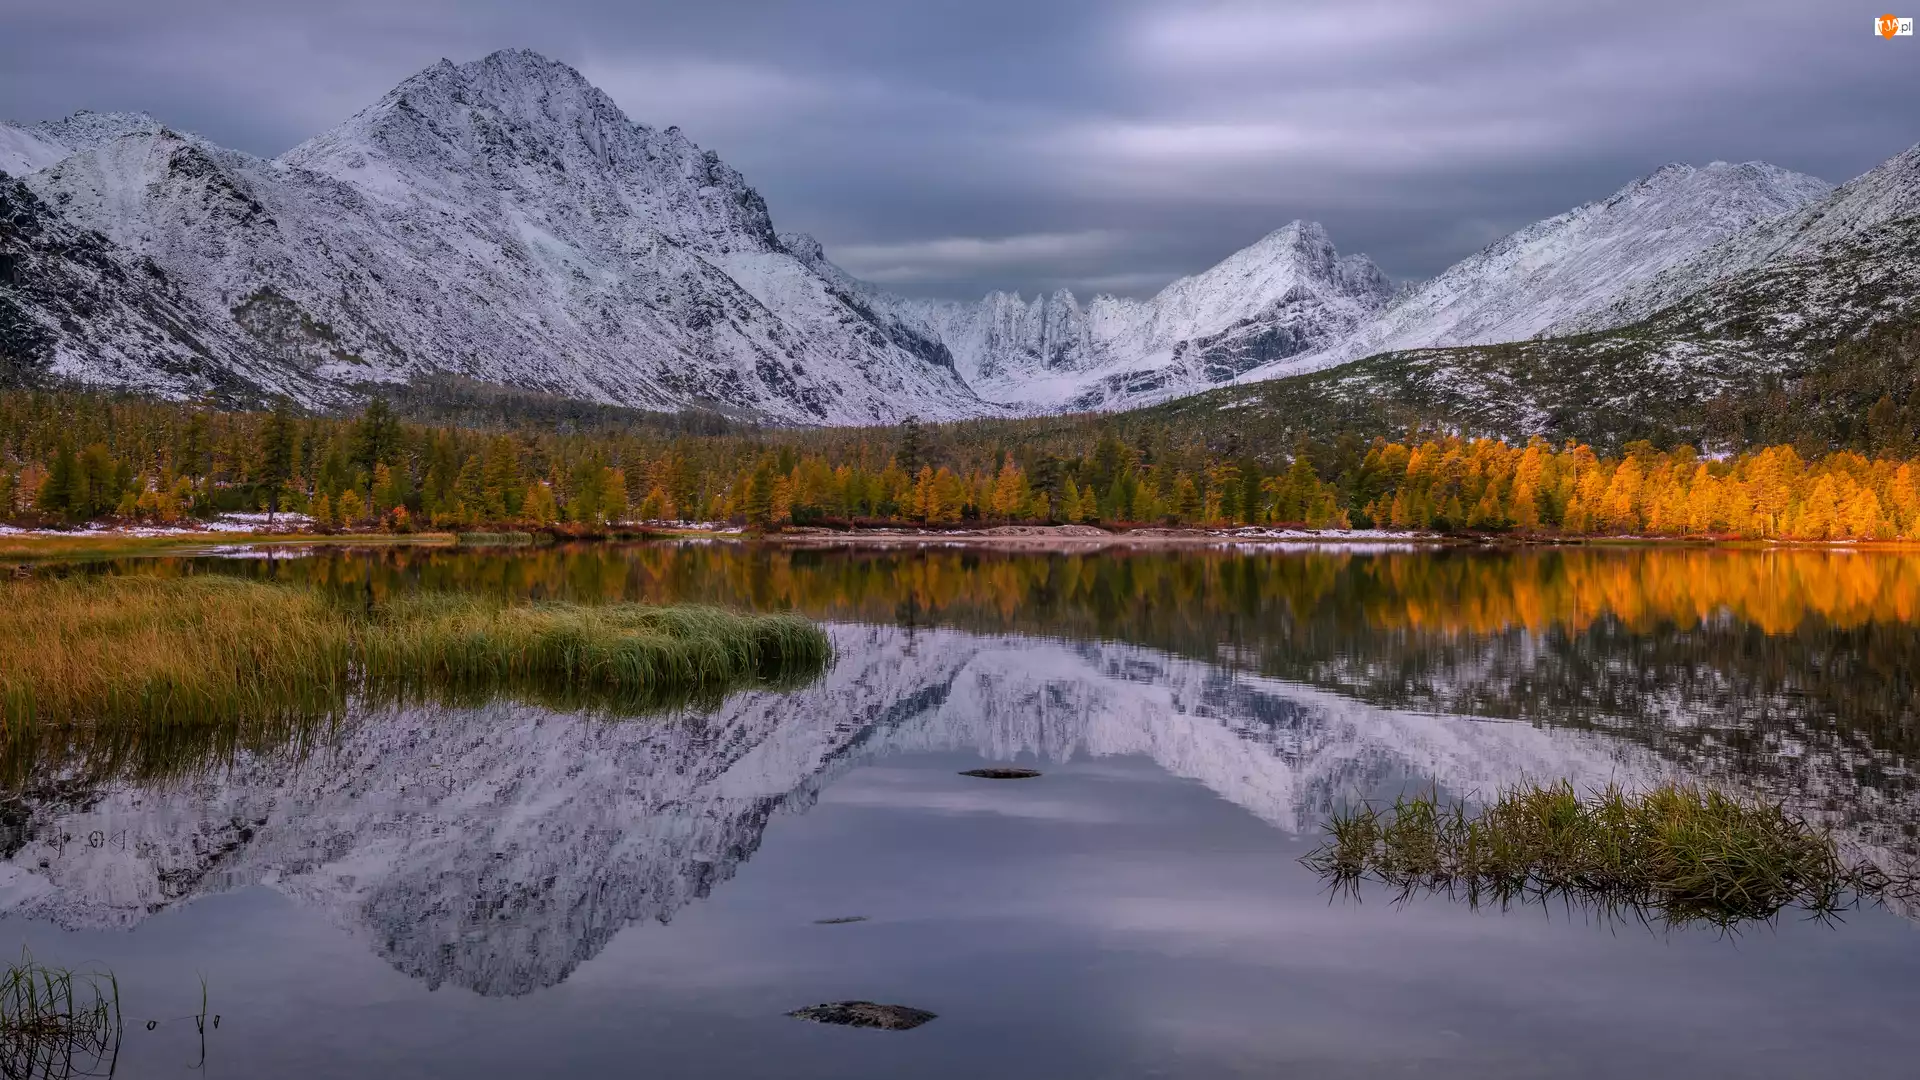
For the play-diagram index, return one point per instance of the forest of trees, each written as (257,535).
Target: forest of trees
(70,457)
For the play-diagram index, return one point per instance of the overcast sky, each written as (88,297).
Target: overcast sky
(945,148)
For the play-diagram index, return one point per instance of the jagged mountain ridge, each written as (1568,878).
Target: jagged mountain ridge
(1291,292)
(504,221)
(1697,371)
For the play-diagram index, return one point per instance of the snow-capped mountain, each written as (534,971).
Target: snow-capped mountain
(1886,193)
(501,220)
(1290,303)
(1566,267)
(1785,306)
(1288,294)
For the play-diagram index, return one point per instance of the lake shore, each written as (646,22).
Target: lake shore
(230,536)
(1090,538)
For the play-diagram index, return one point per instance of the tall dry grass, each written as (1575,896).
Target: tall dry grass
(184,650)
(208,650)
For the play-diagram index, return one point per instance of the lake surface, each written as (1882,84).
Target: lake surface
(502,890)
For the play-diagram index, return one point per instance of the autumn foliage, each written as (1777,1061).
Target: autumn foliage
(73,458)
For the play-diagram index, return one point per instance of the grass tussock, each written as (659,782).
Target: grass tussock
(502,539)
(622,655)
(209,649)
(1678,853)
(57,1023)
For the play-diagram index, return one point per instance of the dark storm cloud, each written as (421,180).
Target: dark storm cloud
(946,148)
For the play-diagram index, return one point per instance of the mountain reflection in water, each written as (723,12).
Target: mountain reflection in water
(498,848)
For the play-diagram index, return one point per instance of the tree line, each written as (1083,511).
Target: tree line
(68,457)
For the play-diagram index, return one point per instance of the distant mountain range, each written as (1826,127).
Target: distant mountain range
(503,221)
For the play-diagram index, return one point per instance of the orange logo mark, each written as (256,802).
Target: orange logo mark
(1889,26)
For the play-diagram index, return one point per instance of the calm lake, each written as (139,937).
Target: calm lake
(506,891)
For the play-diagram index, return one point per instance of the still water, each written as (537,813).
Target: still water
(507,891)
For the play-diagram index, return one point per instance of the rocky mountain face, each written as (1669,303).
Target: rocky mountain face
(1802,346)
(500,220)
(72,300)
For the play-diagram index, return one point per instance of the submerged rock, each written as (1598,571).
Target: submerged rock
(864,1014)
(839,919)
(999,773)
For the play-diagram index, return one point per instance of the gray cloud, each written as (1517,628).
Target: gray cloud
(947,148)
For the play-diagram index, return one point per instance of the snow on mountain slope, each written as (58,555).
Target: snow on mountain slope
(22,151)
(72,305)
(505,221)
(1580,261)
(1888,192)
(26,148)
(1288,293)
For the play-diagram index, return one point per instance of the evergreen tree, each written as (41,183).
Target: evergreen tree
(60,492)
(501,479)
(195,447)
(910,454)
(276,454)
(376,438)
(760,495)
(469,492)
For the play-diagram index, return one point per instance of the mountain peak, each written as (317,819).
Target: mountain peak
(518,127)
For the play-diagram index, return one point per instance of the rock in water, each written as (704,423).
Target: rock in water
(1002,773)
(839,920)
(864,1014)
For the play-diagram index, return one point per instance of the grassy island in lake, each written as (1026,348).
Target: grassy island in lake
(1678,853)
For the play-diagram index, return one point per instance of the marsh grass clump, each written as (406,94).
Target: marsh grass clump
(622,657)
(57,1023)
(502,539)
(156,654)
(1679,853)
